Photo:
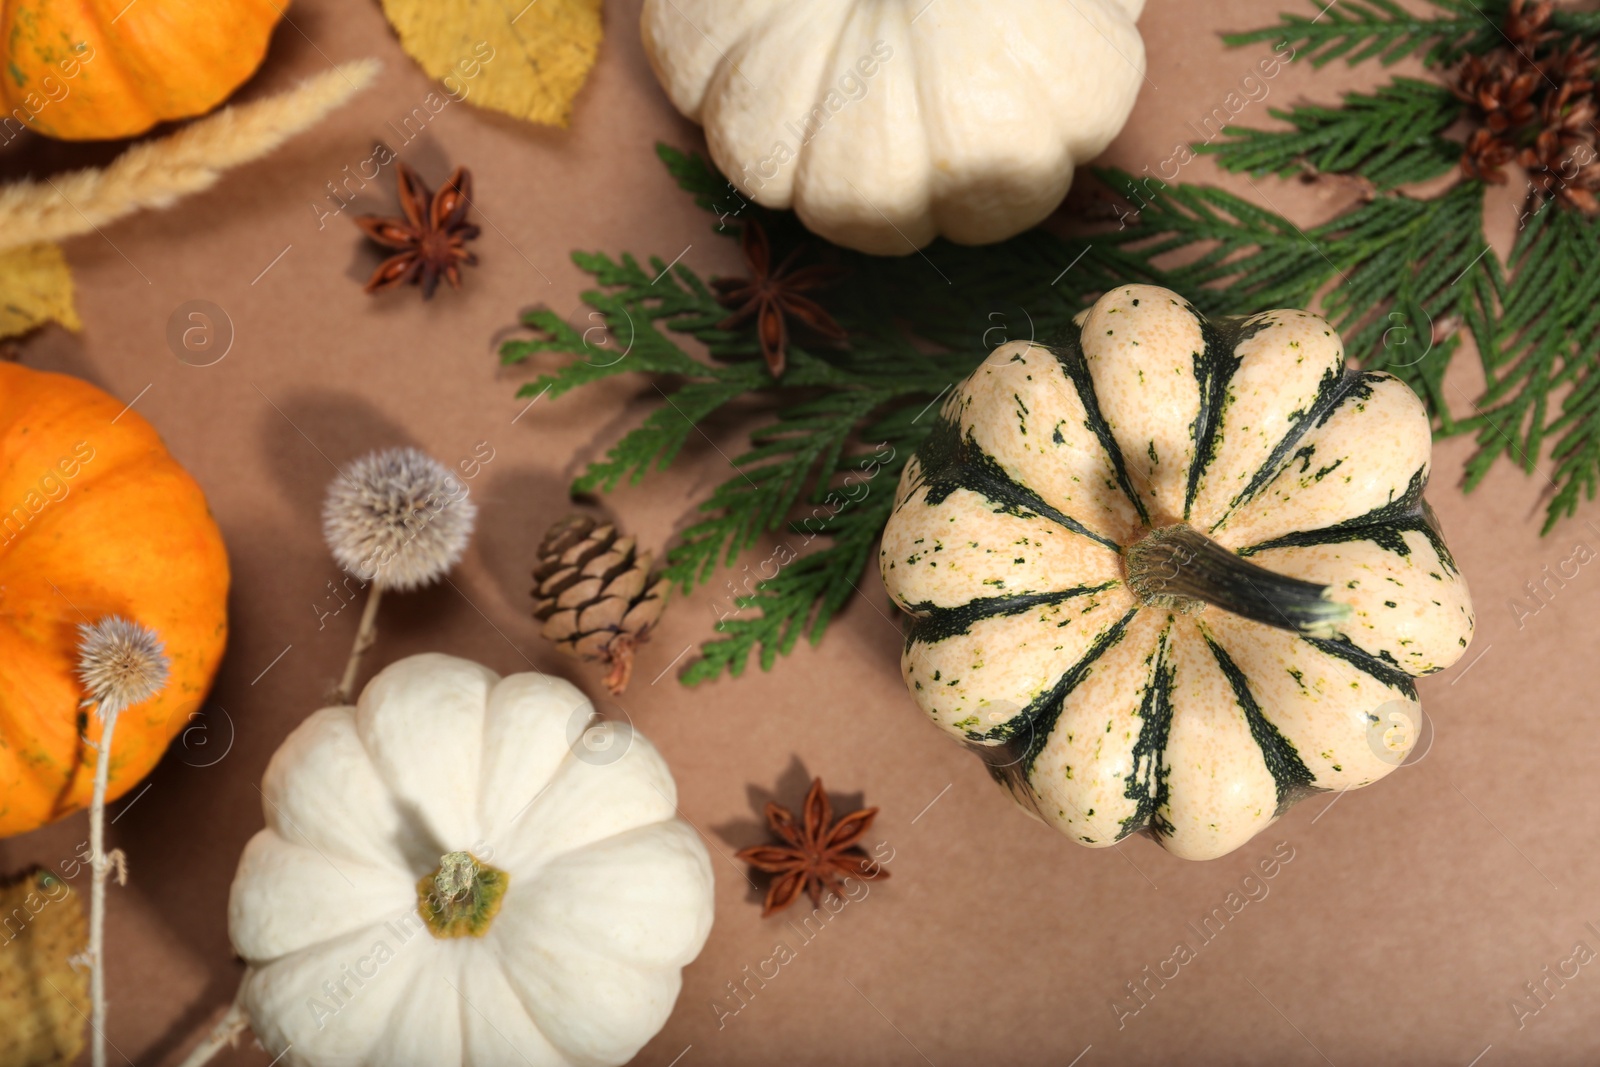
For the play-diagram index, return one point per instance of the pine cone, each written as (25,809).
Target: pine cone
(1566,168)
(1569,113)
(1485,154)
(1526,24)
(1572,68)
(595,594)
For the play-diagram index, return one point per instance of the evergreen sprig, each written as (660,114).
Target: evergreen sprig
(1359,30)
(1417,272)
(822,466)
(1391,137)
(1402,276)
(1541,368)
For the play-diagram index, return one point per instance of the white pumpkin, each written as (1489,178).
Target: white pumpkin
(1175,573)
(566,893)
(886,123)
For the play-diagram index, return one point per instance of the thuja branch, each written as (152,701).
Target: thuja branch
(1424,275)
(1392,273)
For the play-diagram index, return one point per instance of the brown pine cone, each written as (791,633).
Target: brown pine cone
(1526,24)
(1485,154)
(1502,92)
(1572,68)
(1566,168)
(595,595)
(1569,112)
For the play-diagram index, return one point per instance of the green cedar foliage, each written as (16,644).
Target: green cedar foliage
(830,439)
(1401,276)
(1359,30)
(1420,270)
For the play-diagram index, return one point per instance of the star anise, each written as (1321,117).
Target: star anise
(432,236)
(814,854)
(772,296)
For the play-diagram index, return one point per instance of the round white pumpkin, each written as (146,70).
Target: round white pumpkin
(446,778)
(886,123)
(1175,574)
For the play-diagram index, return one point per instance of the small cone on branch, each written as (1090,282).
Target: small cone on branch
(596,595)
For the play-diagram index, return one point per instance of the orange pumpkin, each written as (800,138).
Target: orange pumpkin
(96,518)
(83,70)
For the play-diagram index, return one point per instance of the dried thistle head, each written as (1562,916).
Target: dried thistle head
(120,662)
(398,517)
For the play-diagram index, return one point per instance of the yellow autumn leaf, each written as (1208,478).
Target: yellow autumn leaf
(44,1000)
(35,288)
(527,58)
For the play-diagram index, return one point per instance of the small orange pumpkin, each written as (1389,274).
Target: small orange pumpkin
(96,518)
(94,69)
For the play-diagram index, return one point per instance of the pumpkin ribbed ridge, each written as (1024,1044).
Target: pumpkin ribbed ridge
(96,519)
(101,69)
(886,123)
(1109,709)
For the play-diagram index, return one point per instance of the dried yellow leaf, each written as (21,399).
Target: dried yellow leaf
(527,58)
(44,1001)
(35,288)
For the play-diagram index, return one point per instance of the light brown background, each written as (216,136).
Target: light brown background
(1409,916)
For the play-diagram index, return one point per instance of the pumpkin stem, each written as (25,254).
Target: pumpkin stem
(461,896)
(1180,568)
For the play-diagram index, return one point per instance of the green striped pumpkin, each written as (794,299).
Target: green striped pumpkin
(1175,573)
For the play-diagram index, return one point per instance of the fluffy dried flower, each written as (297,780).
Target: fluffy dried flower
(120,662)
(398,517)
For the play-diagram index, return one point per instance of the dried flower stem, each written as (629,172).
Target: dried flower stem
(366,634)
(121,663)
(101,865)
(232,1024)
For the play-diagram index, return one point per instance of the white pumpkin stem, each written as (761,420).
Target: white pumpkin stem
(366,635)
(100,864)
(223,1035)
(460,897)
(1180,568)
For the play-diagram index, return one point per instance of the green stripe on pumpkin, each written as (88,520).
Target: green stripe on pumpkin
(1385,526)
(1214,370)
(1289,772)
(1024,737)
(1333,391)
(1382,668)
(951,461)
(1073,364)
(1147,786)
(934,624)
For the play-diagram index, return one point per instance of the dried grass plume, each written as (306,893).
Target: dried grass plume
(157,173)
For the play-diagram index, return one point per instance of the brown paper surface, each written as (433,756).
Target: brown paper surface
(1407,920)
